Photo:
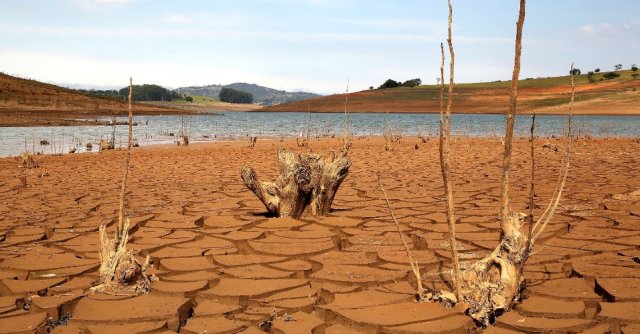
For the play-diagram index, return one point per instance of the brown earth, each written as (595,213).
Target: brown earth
(209,107)
(542,96)
(26,102)
(224,267)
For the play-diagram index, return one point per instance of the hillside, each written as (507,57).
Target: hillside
(542,95)
(261,95)
(30,102)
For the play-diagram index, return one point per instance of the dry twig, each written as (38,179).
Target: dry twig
(415,267)
(445,154)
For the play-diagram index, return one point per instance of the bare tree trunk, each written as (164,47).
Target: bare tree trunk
(305,180)
(491,285)
(327,177)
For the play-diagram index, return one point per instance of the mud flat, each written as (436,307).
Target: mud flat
(224,267)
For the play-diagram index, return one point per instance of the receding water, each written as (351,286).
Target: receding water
(232,125)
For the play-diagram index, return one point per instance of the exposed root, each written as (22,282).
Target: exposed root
(304,181)
(106,145)
(183,140)
(120,271)
(27,160)
(251,141)
(491,285)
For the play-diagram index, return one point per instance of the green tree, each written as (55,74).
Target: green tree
(610,75)
(231,95)
(634,67)
(575,71)
(618,67)
(590,77)
(150,93)
(188,98)
(412,83)
(597,70)
(390,83)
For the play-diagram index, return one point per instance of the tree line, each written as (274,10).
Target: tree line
(390,83)
(231,95)
(146,92)
(608,75)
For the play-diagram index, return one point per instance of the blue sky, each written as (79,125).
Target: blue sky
(314,45)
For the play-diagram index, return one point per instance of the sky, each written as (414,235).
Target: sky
(319,46)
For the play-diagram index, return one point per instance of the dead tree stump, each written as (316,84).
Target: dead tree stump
(306,180)
(491,285)
(120,271)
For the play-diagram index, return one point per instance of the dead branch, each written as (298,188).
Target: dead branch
(549,212)
(346,140)
(127,160)
(445,154)
(251,141)
(415,266)
(492,284)
(119,269)
(532,192)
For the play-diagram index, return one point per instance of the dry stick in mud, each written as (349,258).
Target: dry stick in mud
(346,140)
(301,140)
(445,153)
(119,269)
(415,266)
(491,285)
(387,134)
(305,180)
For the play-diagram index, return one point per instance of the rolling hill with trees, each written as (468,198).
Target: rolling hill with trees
(261,95)
(30,102)
(601,92)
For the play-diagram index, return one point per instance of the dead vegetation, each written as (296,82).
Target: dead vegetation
(120,271)
(106,145)
(304,181)
(251,141)
(27,160)
(492,285)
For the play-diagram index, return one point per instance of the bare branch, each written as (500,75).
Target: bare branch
(532,192)
(445,155)
(414,263)
(553,205)
(123,189)
(510,118)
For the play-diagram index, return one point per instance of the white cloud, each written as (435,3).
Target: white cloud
(597,29)
(632,24)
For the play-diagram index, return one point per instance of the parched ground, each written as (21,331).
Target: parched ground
(223,267)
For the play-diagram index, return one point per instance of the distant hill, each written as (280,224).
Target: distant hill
(30,102)
(261,95)
(620,95)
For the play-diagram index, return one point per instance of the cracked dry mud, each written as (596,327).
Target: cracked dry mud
(223,267)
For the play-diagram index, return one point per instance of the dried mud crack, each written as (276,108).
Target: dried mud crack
(224,267)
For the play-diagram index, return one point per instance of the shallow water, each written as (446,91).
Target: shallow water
(232,125)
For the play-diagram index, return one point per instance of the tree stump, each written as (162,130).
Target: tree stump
(491,285)
(120,271)
(306,180)
(106,145)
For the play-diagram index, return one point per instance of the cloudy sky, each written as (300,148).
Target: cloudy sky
(313,45)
